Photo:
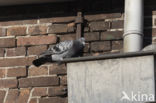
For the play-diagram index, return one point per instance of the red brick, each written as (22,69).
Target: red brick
(63,80)
(117,24)
(92,36)
(8,83)
(101,46)
(60,28)
(57,69)
(24,61)
(2,32)
(19,51)
(2,73)
(12,96)
(23,96)
(53,100)
(36,71)
(18,22)
(40,91)
(1,52)
(102,16)
(16,31)
(57,91)
(33,100)
(153,32)
(36,50)
(111,35)
(7,42)
(99,26)
(57,19)
(117,45)
(33,30)
(16,72)
(36,40)
(38,81)
(67,37)
(2,95)
(87,47)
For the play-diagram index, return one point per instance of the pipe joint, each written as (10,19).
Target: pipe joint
(133,32)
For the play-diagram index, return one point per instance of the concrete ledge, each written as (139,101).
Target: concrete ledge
(110,56)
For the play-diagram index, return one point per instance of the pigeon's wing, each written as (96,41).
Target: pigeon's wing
(58,48)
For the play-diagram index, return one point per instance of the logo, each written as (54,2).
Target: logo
(137,97)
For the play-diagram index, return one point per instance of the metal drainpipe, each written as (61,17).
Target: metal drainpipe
(133,25)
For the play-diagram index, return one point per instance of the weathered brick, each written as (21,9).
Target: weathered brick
(1,52)
(2,95)
(53,100)
(36,71)
(36,40)
(12,96)
(2,32)
(99,26)
(57,19)
(101,46)
(57,91)
(117,24)
(16,31)
(102,16)
(36,50)
(87,47)
(63,80)
(24,61)
(40,91)
(16,72)
(8,83)
(67,37)
(33,100)
(92,36)
(60,28)
(19,51)
(7,42)
(33,30)
(2,73)
(57,69)
(117,45)
(38,81)
(23,96)
(18,22)
(111,35)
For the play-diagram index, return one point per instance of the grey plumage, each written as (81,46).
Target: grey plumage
(150,47)
(66,49)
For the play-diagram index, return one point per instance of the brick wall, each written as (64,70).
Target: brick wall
(26,31)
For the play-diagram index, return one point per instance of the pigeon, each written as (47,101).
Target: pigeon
(65,49)
(150,47)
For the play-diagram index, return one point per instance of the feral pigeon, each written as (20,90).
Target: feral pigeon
(150,47)
(58,52)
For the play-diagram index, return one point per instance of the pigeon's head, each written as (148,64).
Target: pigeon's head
(82,40)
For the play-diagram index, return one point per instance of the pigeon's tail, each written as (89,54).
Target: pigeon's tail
(40,61)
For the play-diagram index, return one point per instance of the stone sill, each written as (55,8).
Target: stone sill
(110,56)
